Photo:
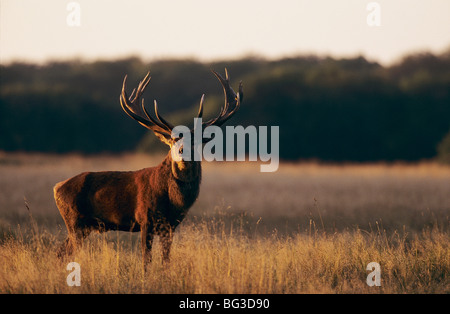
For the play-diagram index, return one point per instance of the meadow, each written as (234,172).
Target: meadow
(307,228)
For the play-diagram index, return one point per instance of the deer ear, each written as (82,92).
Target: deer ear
(165,138)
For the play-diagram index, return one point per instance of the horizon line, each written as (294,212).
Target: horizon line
(217,59)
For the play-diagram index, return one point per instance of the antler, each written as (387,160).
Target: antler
(131,104)
(232,101)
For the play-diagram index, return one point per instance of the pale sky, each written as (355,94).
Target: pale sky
(38,31)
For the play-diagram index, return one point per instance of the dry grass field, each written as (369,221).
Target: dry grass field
(307,228)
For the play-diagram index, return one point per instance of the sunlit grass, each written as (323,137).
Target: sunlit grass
(307,228)
(208,257)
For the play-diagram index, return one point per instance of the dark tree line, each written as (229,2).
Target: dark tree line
(327,109)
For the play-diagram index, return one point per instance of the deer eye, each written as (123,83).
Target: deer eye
(180,150)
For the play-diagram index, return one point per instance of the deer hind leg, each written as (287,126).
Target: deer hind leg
(76,229)
(72,243)
(68,246)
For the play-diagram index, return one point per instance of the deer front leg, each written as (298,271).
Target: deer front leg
(146,241)
(166,237)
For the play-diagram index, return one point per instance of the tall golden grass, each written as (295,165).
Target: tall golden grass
(308,228)
(210,260)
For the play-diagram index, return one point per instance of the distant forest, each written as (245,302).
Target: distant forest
(327,109)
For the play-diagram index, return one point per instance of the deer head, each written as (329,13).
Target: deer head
(182,169)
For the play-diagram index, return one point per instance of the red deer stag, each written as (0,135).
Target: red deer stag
(152,200)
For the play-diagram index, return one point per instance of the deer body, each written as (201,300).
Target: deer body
(151,200)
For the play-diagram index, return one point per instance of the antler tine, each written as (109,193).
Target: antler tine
(132,92)
(153,120)
(200,109)
(129,105)
(232,100)
(137,92)
(164,122)
(143,84)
